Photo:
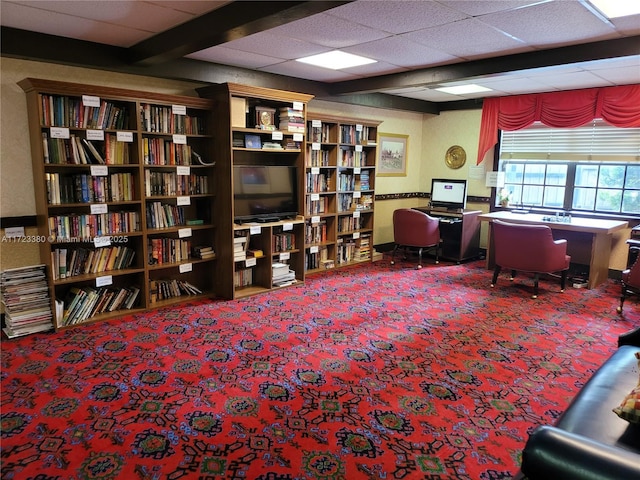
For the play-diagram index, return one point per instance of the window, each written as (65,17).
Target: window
(595,168)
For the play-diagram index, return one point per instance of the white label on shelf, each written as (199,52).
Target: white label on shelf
(315,170)
(356,214)
(277,136)
(183,200)
(255,230)
(313,249)
(358,127)
(316,123)
(287,226)
(95,135)
(285,256)
(104,280)
(298,106)
(98,208)
(14,232)
(357,194)
(315,197)
(315,146)
(186,267)
(356,235)
(298,137)
(99,170)
(179,139)
(315,219)
(179,109)
(250,262)
(59,132)
(182,170)
(90,101)
(358,148)
(124,137)
(357,170)
(101,242)
(184,232)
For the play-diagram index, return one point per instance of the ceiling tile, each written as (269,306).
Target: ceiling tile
(476,8)
(454,39)
(551,24)
(194,7)
(397,17)
(574,80)
(236,58)
(309,72)
(268,43)
(619,76)
(328,31)
(400,51)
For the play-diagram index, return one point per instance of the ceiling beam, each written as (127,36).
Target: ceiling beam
(230,22)
(433,76)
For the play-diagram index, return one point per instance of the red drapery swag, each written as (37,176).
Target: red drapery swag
(618,106)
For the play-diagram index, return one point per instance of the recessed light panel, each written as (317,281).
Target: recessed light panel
(463,89)
(336,60)
(617,8)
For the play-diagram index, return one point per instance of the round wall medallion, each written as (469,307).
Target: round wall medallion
(455,157)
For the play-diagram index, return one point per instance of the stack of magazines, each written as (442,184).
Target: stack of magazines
(25,295)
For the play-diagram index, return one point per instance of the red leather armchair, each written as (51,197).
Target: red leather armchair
(528,248)
(630,280)
(413,228)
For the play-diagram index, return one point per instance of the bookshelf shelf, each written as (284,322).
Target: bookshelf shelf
(93,149)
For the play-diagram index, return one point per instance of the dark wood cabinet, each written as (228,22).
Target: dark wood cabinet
(460,233)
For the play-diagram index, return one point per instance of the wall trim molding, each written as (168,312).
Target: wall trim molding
(406,195)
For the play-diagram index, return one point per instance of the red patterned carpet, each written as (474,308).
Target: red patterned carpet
(375,372)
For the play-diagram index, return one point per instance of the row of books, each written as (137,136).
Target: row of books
(354,135)
(345,202)
(81,304)
(283,242)
(83,188)
(66,263)
(315,207)
(319,259)
(350,250)
(70,151)
(165,289)
(25,296)
(161,119)
(364,180)
(318,134)
(74,227)
(170,183)
(164,215)
(168,250)
(318,182)
(159,151)
(349,224)
(243,277)
(315,233)
(348,157)
(317,158)
(63,111)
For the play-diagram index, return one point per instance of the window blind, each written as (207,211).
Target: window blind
(597,141)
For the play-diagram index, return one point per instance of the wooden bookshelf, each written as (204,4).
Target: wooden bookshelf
(339,191)
(250,119)
(127,177)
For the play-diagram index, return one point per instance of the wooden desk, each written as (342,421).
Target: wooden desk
(460,233)
(588,240)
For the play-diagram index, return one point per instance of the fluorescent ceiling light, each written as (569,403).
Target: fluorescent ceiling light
(617,8)
(336,60)
(463,89)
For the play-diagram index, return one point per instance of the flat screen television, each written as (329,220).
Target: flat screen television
(264,193)
(449,194)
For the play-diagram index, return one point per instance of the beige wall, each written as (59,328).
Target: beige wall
(429,138)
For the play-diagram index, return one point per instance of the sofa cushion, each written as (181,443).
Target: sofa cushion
(629,409)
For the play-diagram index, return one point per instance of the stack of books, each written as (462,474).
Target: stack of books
(240,248)
(25,295)
(291,120)
(203,251)
(282,275)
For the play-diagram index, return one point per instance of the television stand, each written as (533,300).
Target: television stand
(459,230)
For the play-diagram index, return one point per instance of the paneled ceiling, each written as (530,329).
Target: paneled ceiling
(509,46)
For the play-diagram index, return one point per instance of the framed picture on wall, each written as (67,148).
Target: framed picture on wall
(392,155)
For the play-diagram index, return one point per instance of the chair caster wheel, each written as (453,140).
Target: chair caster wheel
(392,262)
(437,262)
(562,290)
(419,267)
(534,296)
(492,285)
(619,309)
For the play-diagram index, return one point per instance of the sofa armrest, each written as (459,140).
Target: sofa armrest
(630,338)
(554,453)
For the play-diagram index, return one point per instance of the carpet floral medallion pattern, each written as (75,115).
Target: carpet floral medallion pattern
(373,372)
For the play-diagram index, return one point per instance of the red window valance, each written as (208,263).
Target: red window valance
(618,106)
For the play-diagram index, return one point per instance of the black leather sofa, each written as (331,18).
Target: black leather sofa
(589,441)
